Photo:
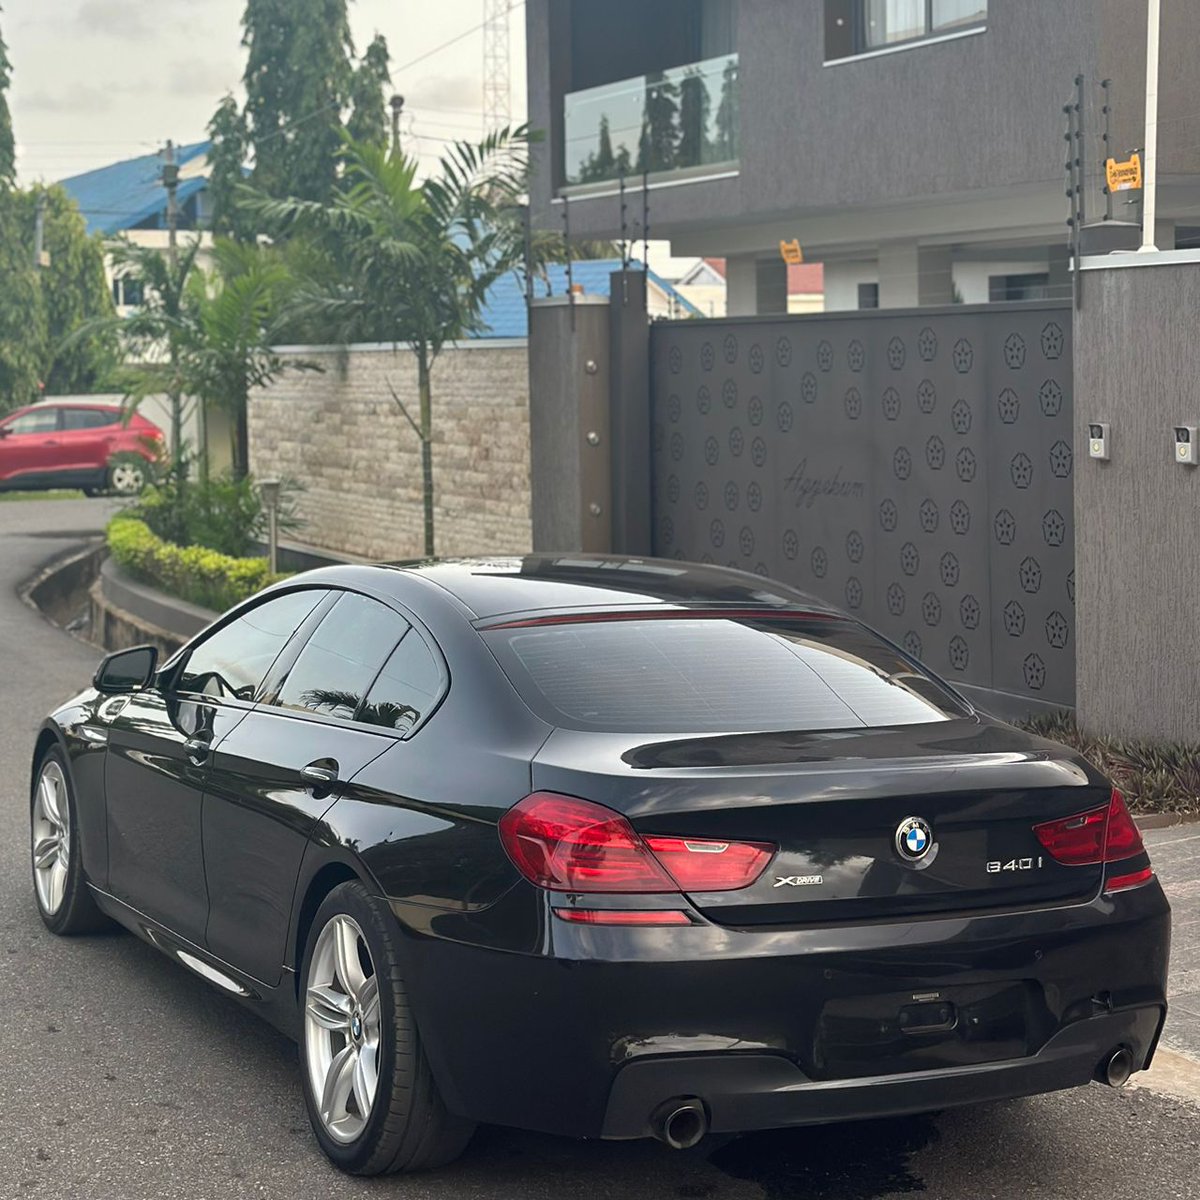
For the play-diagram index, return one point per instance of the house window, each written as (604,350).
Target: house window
(128,293)
(1032,286)
(860,26)
(868,295)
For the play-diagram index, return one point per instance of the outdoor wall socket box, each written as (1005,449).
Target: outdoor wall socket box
(1099,441)
(1187,445)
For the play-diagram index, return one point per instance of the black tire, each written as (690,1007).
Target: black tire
(77,912)
(409,1128)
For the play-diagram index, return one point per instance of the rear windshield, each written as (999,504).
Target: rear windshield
(717,674)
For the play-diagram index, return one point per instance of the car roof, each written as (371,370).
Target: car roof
(491,587)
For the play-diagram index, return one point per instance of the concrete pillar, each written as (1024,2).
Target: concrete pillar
(911,275)
(1137,573)
(741,285)
(631,434)
(569,424)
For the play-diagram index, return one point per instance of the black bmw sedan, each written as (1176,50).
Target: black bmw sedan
(601,847)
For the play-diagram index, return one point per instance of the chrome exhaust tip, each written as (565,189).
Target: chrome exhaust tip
(1118,1068)
(680,1124)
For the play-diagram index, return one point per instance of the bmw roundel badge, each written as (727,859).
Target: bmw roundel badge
(914,839)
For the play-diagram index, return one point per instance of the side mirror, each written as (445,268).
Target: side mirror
(126,671)
(5,431)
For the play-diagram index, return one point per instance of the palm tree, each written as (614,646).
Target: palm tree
(416,259)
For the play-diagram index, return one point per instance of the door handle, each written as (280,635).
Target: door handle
(319,778)
(197,749)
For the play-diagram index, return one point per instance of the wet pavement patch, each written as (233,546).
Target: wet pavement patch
(864,1160)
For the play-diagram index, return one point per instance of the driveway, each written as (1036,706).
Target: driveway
(124,1078)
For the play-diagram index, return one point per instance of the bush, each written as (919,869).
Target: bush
(194,573)
(222,514)
(1153,777)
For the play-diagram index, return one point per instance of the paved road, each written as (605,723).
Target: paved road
(123,1078)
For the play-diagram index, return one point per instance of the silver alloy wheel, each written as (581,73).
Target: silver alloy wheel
(127,478)
(51,832)
(342,1029)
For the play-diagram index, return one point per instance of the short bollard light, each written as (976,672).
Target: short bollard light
(269,489)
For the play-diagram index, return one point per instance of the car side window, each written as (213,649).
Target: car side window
(75,419)
(41,420)
(409,686)
(337,666)
(234,661)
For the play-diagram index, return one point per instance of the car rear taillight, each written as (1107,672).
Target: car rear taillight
(565,844)
(1101,835)
(700,866)
(622,916)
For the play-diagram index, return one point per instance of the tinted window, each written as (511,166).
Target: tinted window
(233,662)
(717,675)
(42,420)
(340,661)
(88,418)
(408,687)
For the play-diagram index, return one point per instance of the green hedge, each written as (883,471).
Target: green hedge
(192,573)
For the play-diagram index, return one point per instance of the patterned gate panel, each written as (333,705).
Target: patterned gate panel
(914,468)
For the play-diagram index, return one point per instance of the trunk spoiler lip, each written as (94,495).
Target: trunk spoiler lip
(709,611)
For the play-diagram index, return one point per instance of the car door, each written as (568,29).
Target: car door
(85,437)
(281,769)
(30,445)
(160,746)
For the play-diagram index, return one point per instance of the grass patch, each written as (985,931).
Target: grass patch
(60,494)
(1154,777)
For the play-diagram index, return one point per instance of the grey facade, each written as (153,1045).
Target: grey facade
(892,166)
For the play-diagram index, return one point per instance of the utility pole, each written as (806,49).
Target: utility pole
(170,181)
(1150,182)
(40,258)
(397,110)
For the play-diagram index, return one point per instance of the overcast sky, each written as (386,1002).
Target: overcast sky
(95,81)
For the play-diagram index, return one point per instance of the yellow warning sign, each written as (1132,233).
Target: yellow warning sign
(1124,176)
(791,253)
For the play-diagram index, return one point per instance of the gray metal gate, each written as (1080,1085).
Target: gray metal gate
(913,467)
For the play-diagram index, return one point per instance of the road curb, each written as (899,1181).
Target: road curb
(1166,820)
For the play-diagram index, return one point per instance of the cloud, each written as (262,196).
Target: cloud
(117,18)
(75,98)
(447,92)
(195,77)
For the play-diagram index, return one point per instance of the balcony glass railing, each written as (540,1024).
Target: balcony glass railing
(670,121)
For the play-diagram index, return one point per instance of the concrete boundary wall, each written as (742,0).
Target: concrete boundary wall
(342,435)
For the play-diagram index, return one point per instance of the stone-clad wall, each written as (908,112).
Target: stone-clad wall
(343,436)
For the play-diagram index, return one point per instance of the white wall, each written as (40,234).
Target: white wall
(971,278)
(842,280)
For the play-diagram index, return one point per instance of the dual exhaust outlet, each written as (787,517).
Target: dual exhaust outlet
(683,1122)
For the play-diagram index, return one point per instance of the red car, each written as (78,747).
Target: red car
(76,445)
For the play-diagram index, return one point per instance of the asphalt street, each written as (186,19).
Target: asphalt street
(124,1078)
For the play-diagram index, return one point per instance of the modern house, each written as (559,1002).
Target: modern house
(915,147)
(128,200)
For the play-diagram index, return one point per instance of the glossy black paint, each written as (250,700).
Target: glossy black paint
(200,833)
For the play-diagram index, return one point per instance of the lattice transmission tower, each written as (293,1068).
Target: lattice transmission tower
(497,85)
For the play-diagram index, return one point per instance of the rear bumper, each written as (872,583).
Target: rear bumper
(759,1091)
(585,1031)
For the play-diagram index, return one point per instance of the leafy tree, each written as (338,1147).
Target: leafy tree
(22,311)
(8,150)
(368,116)
(235,319)
(416,260)
(298,80)
(74,291)
(727,115)
(227,160)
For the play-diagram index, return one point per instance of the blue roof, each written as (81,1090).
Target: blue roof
(505,313)
(124,195)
